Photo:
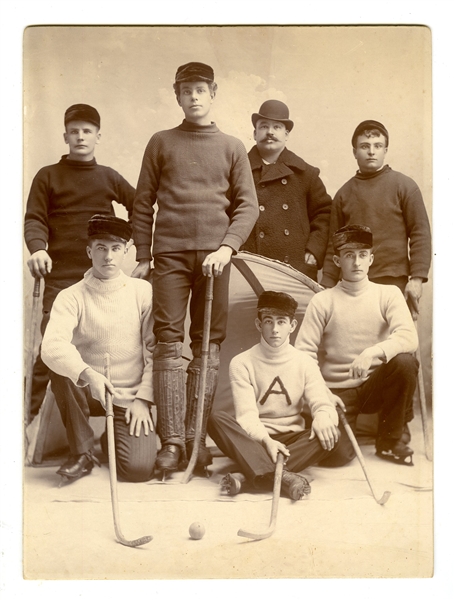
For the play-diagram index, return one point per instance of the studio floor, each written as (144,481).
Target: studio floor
(339,531)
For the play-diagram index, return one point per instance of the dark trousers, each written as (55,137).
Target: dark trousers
(40,377)
(135,455)
(252,458)
(178,276)
(388,391)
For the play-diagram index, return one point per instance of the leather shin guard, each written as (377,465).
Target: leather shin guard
(169,392)
(192,390)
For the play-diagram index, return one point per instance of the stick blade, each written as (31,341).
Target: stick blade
(134,543)
(384,499)
(252,535)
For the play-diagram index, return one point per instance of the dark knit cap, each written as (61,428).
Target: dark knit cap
(277,303)
(82,112)
(194,71)
(102,225)
(365,126)
(274,110)
(352,236)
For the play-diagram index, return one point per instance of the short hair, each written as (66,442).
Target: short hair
(212,86)
(370,133)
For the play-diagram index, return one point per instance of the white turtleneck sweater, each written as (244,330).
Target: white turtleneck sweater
(96,316)
(270,387)
(343,321)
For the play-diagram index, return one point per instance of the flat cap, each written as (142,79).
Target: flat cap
(83,112)
(194,71)
(366,125)
(102,225)
(278,303)
(352,236)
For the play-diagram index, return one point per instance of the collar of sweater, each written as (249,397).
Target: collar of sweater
(188,126)
(81,164)
(105,286)
(286,158)
(354,288)
(275,353)
(385,169)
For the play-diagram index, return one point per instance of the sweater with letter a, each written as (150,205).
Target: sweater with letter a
(270,387)
(96,316)
(201,180)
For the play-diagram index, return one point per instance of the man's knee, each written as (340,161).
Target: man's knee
(342,453)
(168,356)
(405,364)
(137,467)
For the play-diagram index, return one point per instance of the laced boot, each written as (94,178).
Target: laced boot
(294,485)
(77,466)
(204,457)
(169,396)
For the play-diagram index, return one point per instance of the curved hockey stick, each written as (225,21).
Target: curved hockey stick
(202,382)
(360,456)
(113,468)
(276,495)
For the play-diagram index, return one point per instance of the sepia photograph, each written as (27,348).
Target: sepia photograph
(273,162)
(225,339)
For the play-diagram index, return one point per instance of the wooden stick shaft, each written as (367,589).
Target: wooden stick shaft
(202,381)
(423,407)
(277,488)
(31,351)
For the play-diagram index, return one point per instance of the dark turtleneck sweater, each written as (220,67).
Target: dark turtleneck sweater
(63,197)
(202,183)
(391,204)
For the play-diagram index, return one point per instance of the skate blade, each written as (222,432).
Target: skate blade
(397,460)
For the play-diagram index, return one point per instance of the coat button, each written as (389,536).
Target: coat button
(287,232)
(286,259)
(263,185)
(284,181)
(285,206)
(261,234)
(261,207)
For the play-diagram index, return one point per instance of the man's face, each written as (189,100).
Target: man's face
(275,329)
(107,257)
(370,153)
(354,263)
(271,136)
(81,137)
(195,99)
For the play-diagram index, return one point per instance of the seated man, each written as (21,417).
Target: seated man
(106,312)
(270,384)
(363,335)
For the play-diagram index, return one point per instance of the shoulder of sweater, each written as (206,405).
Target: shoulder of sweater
(243,357)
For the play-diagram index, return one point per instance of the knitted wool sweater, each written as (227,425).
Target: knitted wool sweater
(202,183)
(391,204)
(63,197)
(343,321)
(270,387)
(96,316)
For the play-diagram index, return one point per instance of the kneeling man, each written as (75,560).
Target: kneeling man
(106,312)
(271,382)
(363,336)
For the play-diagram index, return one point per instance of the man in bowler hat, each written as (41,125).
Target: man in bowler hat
(294,206)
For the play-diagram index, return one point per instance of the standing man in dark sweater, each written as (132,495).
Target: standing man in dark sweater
(201,181)
(294,206)
(63,197)
(391,204)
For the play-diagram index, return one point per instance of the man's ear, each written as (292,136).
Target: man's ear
(336,260)
(354,152)
(258,324)
(89,252)
(98,138)
(65,137)
(293,325)
(255,134)
(371,259)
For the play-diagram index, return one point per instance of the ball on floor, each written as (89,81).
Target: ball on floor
(196,530)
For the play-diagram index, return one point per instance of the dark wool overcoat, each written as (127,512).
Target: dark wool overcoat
(294,211)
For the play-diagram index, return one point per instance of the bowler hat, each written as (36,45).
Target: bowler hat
(352,236)
(102,225)
(194,71)
(83,112)
(274,110)
(278,303)
(366,125)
